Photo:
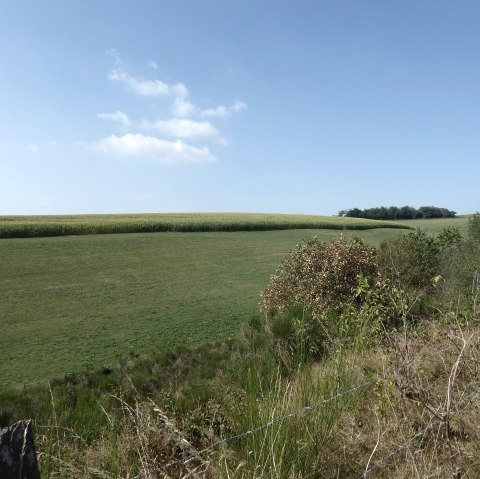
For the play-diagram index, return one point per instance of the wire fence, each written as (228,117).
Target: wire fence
(418,435)
(308,409)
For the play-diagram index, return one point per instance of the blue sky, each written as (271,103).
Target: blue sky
(247,106)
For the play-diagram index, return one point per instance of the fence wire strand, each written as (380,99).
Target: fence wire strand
(419,434)
(306,410)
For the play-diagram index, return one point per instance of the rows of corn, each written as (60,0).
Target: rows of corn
(36,226)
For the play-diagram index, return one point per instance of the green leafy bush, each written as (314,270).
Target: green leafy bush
(449,237)
(474,228)
(460,267)
(411,260)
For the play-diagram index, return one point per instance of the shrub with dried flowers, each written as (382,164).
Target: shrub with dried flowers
(319,276)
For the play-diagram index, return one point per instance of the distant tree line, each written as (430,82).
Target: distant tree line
(395,213)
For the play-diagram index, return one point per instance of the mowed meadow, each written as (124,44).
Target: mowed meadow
(73,302)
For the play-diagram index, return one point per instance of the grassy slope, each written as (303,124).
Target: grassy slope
(435,225)
(87,300)
(35,226)
(70,302)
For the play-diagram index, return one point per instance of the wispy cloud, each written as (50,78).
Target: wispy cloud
(112,53)
(117,116)
(185,128)
(153,148)
(224,111)
(182,107)
(140,86)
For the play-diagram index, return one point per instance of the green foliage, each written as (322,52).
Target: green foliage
(438,270)
(410,260)
(381,301)
(395,213)
(378,307)
(474,228)
(434,212)
(449,237)
(296,338)
(460,268)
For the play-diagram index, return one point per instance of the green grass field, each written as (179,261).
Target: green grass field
(67,303)
(71,302)
(35,226)
(435,225)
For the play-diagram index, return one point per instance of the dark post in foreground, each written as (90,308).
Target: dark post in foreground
(18,459)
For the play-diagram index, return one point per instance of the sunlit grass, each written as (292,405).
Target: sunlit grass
(435,225)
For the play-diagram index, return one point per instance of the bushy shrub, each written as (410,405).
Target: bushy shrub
(449,238)
(319,276)
(461,270)
(474,229)
(437,271)
(410,260)
(326,296)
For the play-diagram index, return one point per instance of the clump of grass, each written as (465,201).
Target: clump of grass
(291,434)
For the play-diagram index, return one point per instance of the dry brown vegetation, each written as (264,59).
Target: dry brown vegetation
(420,420)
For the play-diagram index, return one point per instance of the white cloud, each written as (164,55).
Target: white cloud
(117,116)
(33,148)
(139,86)
(188,121)
(239,106)
(148,87)
(182,107)
(224,111)
(154,149)
(185,128)
(180,90)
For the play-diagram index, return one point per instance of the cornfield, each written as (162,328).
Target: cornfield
(36,226)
